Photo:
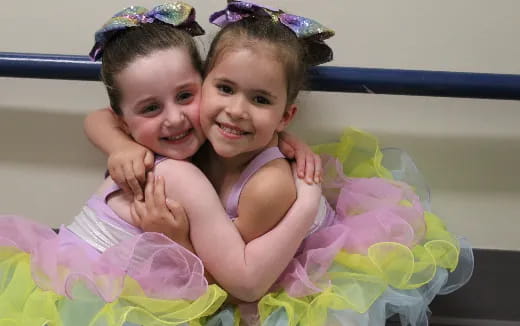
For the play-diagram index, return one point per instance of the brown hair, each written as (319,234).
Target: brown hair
(248,31)
(127,45)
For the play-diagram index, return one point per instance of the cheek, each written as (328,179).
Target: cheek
(205,110)
(193,114)
(141,131)
(271,121)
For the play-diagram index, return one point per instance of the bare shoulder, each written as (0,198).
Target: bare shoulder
(271,190)
(176,168)
(179,174)
(272,180)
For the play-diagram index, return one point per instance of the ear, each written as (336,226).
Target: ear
(287,117)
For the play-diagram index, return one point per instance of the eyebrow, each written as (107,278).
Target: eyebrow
(266,93)
(261,91)
(140,103)
(225,80)
(184,86)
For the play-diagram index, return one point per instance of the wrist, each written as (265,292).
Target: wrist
(120,142)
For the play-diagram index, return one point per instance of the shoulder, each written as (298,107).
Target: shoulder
(272,179)
(270,190)
(179,173)
(170,166)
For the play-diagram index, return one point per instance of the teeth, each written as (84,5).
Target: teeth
(179,136)
(231,131)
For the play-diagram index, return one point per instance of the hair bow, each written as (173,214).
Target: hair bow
(312,32)
(178,14)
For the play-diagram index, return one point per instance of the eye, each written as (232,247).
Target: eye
(150,108)
(261,100)
(184,97)
(225,89)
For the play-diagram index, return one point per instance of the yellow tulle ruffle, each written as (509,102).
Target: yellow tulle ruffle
(22,302)
(356,281)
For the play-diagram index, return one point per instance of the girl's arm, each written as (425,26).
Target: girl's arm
(245,271)
(127,160)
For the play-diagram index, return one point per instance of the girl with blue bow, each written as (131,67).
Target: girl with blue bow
(102,269)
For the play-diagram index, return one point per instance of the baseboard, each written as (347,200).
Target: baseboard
(490,298)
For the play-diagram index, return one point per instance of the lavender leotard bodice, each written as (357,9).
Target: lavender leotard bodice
(325,214)
(98,224)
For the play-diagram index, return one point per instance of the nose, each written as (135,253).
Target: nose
(237,108)
(174,117)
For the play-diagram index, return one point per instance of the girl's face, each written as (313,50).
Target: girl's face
(160,98)
(244,101)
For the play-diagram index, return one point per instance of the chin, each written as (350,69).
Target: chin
(224,152)
(177,155)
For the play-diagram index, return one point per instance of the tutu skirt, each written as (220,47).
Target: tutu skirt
(57,279)
(385,253)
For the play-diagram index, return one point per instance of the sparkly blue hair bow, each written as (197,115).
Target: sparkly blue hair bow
(308,30)
(178,14)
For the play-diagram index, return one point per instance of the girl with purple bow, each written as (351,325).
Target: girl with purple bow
(377,253)
(103,270)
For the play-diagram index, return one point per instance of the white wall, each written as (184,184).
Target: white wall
(469,150)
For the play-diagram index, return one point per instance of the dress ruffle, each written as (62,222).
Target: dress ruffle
(57,279)
(385,254)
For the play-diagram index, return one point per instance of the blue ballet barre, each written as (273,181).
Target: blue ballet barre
(326,78)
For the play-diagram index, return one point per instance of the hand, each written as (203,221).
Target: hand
(308,163)
(158,214)
(304,189)
(128,167)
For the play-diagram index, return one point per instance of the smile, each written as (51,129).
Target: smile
(177,138)
(229,130)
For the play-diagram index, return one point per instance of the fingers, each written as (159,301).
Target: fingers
(132,175)
(148,160)
(309,168)
(136,212)
(300,163)
(149,189)
(159,198)
(139,171)
(318,169)
(181,225)
(138,180)
(313,168)
(177,210)
(117,174)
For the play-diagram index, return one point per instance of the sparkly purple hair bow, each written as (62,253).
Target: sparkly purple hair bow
(178,14)
(308,30)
